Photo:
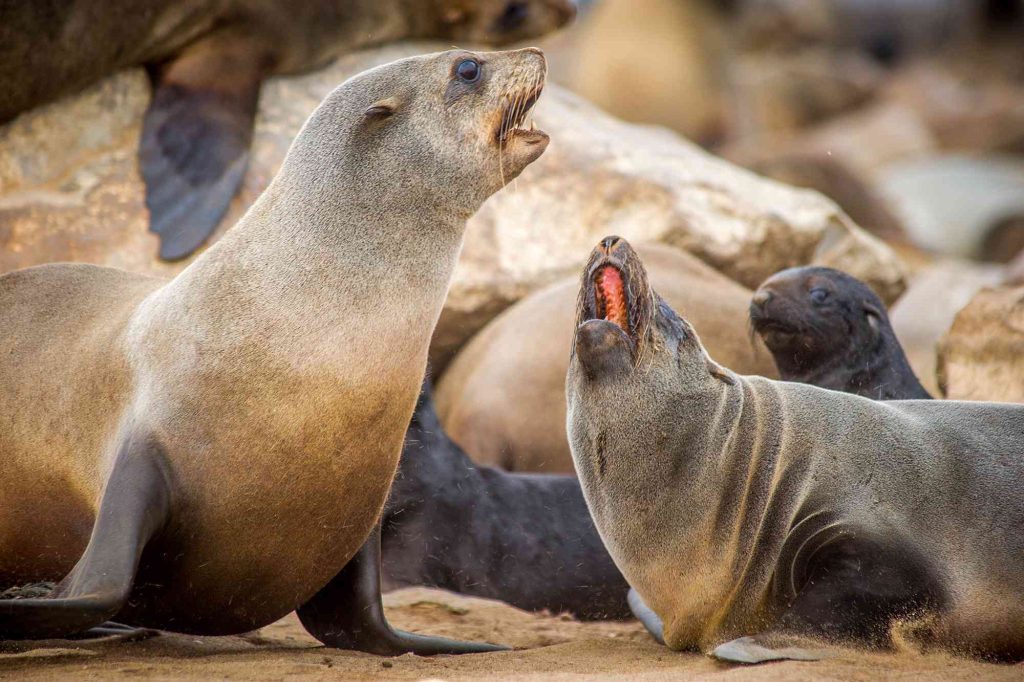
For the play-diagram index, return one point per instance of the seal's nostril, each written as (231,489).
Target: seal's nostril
(609,243)
(761,297)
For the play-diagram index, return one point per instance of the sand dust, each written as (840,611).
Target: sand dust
(547,648)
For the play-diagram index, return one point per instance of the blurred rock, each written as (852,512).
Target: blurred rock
(1015,270)
(976,112)
(662,62)
(773,93)
(70,190)
(935,294)
(962,206)
(982,356)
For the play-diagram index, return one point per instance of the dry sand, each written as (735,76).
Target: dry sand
(547,648)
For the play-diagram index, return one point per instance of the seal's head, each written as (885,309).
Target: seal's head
(634,364)
(436,133)
(499,22)
(814,317)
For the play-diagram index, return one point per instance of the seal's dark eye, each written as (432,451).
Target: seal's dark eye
(514,16)
(468,71)
(818,295)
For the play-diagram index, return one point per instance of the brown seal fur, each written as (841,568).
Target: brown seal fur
(753,515)
(207,59)
(228,437)
(503,398)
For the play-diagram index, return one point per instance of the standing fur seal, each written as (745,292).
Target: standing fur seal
(480,531)
(503,397)
(752,514)
(207,60)
(229,437)
(829,329)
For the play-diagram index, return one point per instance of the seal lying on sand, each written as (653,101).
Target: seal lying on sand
(751,514)
(229,437)
(487,533)
(503,397)
(827,328)
(207,60)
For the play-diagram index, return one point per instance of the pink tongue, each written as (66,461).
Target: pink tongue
(610,282)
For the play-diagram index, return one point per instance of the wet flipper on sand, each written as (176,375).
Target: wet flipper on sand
(348,614)
(134,508)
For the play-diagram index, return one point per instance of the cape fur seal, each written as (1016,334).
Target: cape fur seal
(751,514)
(827,328)
(503,397)
(481,531)
(229,437)
(207,60)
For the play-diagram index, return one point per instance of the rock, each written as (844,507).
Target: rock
(975,111)
(982,355)
(70,190)
(935,294)
(676,78)
(774,93)
(962,206)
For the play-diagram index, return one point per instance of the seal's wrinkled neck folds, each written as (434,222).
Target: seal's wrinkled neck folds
(615,290)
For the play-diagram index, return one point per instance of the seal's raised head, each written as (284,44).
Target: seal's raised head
(634,362)
(499,22)
(440,131)
(623,326)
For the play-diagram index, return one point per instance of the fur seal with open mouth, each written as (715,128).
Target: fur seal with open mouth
(762,519)
(827,328)
(221,445)
(207,60)
(484,532)
(502,398)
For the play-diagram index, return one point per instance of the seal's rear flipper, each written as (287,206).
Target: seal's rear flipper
(348,614)
(135,506)
(195,139)
(646,616)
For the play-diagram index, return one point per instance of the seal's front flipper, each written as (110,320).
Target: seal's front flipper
(348,614)
(768,647)
(195,139)
(135,506)
(646,616)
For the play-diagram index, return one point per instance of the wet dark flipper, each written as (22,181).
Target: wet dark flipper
(196,136)
(646,616)
(135,506)
(348,614)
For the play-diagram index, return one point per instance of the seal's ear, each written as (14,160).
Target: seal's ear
(381,109)
(874,316)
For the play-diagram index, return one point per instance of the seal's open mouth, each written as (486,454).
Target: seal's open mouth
(513,116)
(610,297)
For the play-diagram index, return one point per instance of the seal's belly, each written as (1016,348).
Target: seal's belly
(250,542)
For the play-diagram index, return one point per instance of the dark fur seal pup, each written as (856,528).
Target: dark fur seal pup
(527,540)
(829,329)
(215,451)
(764,519)
(207,60)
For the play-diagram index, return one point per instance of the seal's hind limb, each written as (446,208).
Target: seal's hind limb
(851,594)
(135,505)
(348,613)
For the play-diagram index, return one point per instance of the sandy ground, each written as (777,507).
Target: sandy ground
(547,648)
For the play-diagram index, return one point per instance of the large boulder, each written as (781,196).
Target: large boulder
(982,355)
(70,190)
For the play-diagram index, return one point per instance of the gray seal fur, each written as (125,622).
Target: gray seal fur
(753,515)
